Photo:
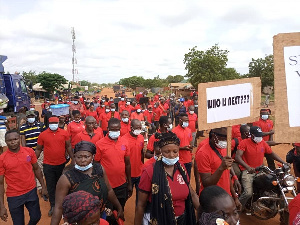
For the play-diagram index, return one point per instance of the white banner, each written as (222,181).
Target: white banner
(292,73)
(229,102)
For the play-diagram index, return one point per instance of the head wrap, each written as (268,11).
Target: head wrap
(79,206)
(85,146)
(167,139)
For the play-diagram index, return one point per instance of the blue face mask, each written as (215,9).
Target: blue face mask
(170,162)
(83,168)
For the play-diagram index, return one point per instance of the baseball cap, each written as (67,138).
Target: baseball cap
(256,131)
(29,113)
(297,144)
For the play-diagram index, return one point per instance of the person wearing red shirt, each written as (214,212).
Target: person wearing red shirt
(113,113)
(139,96)
(148,114)
(126,107)
(54,142)
(185,136)
(19,167)
(75,127)
(114,155)
(157,113)
(137,115)
(121,104)
(250,154)
(164,107)
(103,120)
(89,134)
(164,125)
(151,101)
(76,105)
(235,132)
(193,122)
(156,97)
(125,123)
(100,109)
(157,154)
(136,147)
(213,164)
(294,210)
(92,112)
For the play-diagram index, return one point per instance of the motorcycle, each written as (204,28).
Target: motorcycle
(271,191)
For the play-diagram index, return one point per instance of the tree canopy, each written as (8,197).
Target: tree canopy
(51,81)
(208,66)
(30,76)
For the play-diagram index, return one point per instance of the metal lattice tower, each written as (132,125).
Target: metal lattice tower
(74,60)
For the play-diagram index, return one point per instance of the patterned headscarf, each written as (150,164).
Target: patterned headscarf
(79,206)
(211,219)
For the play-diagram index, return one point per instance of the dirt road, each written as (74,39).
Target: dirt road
(281,150)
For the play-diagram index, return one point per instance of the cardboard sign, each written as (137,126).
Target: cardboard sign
(227,103)
(286,48)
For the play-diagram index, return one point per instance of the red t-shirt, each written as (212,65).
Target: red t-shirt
(125,128)
(136,145)
(93,114)
(111,155)
(148,162)
(192,121)
(84,136)
(208,162)
(254,153)
(137,116)
(157,112)
(266,126)
(185,137)
(98,130)
(54,146)
(121,104)
(100,110)
(128,108)
(179,189)
(17,171)
(156,98)
(294,208)
(73,129)
(149,116)
(235,132)
(203,142)
(104,120)
(113,115)
(152,139)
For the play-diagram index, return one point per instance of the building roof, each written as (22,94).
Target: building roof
(180,85)
(38,87)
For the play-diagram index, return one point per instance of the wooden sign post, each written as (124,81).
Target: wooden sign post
(228,103)
(286,49)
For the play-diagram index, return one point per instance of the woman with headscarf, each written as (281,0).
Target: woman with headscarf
(165,184)
(82,208)
(217,207)
(85,176)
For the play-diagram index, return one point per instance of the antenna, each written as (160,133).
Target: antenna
(74,60)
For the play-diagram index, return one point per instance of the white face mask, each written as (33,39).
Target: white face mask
(53,126)
(196,106)
(257,139)
(128,103)
(170,127)
(75,102)
(83,168)
(114,134)
(221,144)
(191,112)
(122,99)
(31,109)
(170,162)
(137,132)
(185,124)
(138,110)
(264,117)
(102,106)
(31,120)
(125,120)
(107,110)
(112,110)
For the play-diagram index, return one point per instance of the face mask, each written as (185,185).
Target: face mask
(128,103)
(137,132)
(122,99)
(31,109)
(155,157)
(170,127)
(185,124)
(125,120)
(75,102)
(264,117)
(77,121)
(83,168)
(107,110)
(114,134)
(53,126)
(257,139)
(46,107)
(112,110)
(138,110)
(221,144)
(238,223)
(196,106)
(31,120)
(170,162)
(150,111)
(102,106)
(143,110)
(191,112)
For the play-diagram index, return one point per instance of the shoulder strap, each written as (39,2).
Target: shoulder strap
(235,146)
(216,151)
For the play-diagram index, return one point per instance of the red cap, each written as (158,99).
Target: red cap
(53,119)
(150,106)
(297,144)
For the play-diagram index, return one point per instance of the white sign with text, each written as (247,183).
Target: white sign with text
(292,73)
(229,102)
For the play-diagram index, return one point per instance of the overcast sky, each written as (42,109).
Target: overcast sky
(122,38)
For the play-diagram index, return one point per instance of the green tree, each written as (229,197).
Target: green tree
(85,83)
(51,81)
(263,68)
(208,66)
(132,82)
(174,79)
(30,76)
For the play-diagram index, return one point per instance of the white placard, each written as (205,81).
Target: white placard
(229,102)
(292,73)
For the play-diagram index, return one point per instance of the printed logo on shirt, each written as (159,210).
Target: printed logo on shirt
(262,149)
(141,144)
(180,179)
(123,147)
(28,158)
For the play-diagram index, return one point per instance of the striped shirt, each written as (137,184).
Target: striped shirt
(2,122)
(31,133)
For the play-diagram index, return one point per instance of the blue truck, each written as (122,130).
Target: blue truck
(14,94)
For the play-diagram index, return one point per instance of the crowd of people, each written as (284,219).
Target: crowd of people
(87,163)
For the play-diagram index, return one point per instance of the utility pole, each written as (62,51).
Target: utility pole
(74,60)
